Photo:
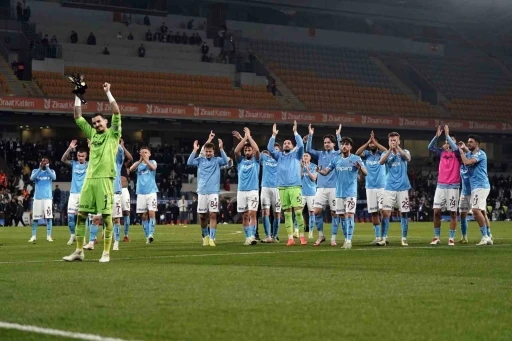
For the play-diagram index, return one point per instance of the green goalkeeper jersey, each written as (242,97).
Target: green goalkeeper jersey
(102,155)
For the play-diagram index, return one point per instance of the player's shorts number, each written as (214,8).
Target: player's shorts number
(299,199)
(105,203)
(350,205)
(475,200)
(214,204)
(405,204)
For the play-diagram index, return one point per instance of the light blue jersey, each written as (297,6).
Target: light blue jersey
(208,172)
(119,165)
(269,178)
(397,179)
(466,184)
(376,177)
(323,159)
(288,164)
(146,182)
(478,177)
(78,171)
(43,182)
(248,174)
(308,185)
(346,174)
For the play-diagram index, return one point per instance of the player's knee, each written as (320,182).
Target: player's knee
(213,216)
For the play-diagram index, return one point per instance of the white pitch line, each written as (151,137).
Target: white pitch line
(337,249)
(56,332)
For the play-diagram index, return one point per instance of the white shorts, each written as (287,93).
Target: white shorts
(117,211)
(308,200)
(146,202)
(73,203)
(42,209)
(446,199)
(464,203)
(270,198)
(125,200)
(346,205)
(374,197)
(479,199)
(391,199)
(324,197)
(208,203)
(247,201)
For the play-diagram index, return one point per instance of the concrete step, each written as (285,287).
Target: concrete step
(394,78)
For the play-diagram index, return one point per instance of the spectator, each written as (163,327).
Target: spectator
(127,19)
(119,35)
(184,39)
(18,216)
(183,207)
(149,35)
(170,37)
(204,51)
(3,179)
(199,40)
(157,36)
(163,28)
(19,11)
(192,39)
(106,51)
(130,36)
(56,195)
(177,38)
(142,51)
(45,40)
(73,38)
(146,21)
(194,210)
(190,24)
(21,71)
(54,41)
(27,13)
(91,40)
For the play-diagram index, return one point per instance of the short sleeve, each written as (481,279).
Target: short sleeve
(479,156)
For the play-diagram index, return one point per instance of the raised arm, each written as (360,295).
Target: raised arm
(338,136)
(209,140)
(53,176)
(405,154)
(192,160)
(127,155)
(115,125)
(224,158)
(65,156)
(238,149)
(377,144)
(299,146)
(432,146)
(253,143)
(384,157)
(309,143)
(361,149)
(312,175)
(360,166)
(271,141)
(34,174)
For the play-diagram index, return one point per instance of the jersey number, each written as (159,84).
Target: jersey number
(405,204)
(105,203)
(475,200)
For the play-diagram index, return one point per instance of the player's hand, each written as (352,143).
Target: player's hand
(274,130)
(196,145)
(221,144)
(311,130)
(211,136)
(106,87)
(357,165)
(372,138)
(141,157)
(446,131)
(72,144)
(439,131)
(295,127)
(247,132)
(121,142)
(89,143)
(236,135)
(338,131)
(305,139)
(318,169)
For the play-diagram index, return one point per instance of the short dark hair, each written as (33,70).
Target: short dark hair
(331,137)
(82,150)
(475,137)
(145,147)
(209,145)
(393,134)
(348,140)
(247,144)
(43,157)
(98,114)
(277,145)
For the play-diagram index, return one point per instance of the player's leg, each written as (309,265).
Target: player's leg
(48,216)
(452,204)
(372,199)
(311,215)
(288,217)
(94,227)
(488,224)
(151,206)
(141,209)
(388,203)
(107,194)
(87,204)
(439,203)
(295,200)
(277,205)
(117,213)
(478,204)
(265,214)
(349,205)
(464,206)
(335,225)
(403,204)
(213,209)
(125,204)
(252,206)
(72,211)
(37,213)
(339,207)
(242,208)
(320,201)
(202,210)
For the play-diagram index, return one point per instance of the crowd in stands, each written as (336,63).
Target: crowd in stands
(23,12)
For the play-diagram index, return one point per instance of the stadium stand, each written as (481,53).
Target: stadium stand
(4,87)
(474,86)
(329,78)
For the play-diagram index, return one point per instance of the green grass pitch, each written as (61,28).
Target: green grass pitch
(176,289)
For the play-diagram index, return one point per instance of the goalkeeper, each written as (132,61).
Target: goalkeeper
(97,191)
